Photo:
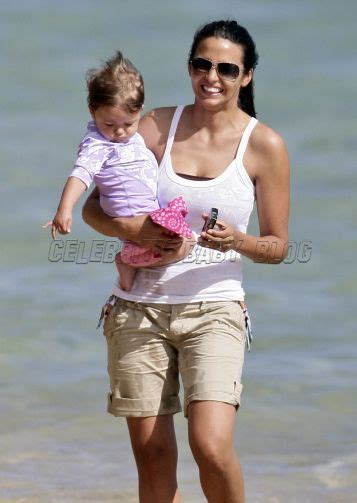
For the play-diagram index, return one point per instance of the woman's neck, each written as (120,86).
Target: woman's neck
(215,121)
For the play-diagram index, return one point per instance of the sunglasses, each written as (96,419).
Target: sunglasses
(227,71)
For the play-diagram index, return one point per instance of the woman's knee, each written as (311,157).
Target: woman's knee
(153,455)
(212,453)
(154,444)
(210,437)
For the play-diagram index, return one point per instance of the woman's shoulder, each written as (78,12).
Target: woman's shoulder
(266,139)
(157,118)
(154,128)
(160,113)
(266,151)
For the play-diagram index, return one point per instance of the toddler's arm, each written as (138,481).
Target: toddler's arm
(62,221)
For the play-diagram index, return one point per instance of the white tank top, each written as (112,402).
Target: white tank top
(204,275)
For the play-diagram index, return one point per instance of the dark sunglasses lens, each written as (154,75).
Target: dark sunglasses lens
(201,64)
(228,70)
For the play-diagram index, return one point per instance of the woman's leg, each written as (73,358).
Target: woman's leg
(155,450)
(210,431)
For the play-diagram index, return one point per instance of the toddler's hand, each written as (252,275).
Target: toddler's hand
(62,223)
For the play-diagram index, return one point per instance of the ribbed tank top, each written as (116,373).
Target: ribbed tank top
(204,275)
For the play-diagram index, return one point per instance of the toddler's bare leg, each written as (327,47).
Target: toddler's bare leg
(126,273)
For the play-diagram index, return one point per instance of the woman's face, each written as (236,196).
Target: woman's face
(212,89)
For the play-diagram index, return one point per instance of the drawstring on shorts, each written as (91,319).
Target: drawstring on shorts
(248,325)
(108,306)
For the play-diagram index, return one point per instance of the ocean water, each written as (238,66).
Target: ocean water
(296,430)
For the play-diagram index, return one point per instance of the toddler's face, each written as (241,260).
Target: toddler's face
(115,124)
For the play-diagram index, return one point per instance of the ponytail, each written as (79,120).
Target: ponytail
(246,99)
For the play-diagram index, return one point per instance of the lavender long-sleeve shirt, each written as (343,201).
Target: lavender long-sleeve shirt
(125,173)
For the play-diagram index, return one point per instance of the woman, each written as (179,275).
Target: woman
(187,317)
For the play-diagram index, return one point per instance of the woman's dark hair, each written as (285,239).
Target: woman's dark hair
(234,32)
(116,83)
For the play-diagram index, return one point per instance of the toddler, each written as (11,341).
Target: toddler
(113,155)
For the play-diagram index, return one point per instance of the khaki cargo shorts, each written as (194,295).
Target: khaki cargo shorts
(150,344)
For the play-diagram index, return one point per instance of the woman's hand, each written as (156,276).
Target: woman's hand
(144,232)
(221,238)
(263,249)
(140,229)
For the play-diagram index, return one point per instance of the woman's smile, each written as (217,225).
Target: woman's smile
(211,90)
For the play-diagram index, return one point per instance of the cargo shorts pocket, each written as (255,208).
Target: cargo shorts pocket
(114,314)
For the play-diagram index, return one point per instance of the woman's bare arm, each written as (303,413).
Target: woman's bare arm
(94,216)
(139,229)
(272,196)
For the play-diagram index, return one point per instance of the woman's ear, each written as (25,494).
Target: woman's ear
(247,78)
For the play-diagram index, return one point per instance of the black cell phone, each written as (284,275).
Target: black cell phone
(211,220)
